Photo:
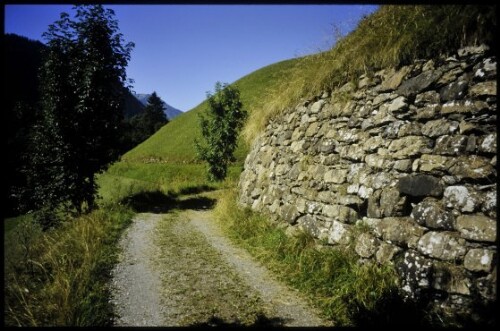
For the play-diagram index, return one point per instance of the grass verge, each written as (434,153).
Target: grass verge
(125,178)
(60,277)
(11,223)
(347,292)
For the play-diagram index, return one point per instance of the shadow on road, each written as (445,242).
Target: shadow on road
(158,202)
(196,189)
(261,320)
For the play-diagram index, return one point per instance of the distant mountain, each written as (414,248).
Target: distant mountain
(132,106)
(22,58)
(170,111)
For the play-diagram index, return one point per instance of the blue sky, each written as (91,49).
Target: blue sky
(182,50)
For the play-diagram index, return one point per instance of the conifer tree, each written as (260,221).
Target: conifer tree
(154,116)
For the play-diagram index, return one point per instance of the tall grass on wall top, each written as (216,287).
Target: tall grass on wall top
(390,37)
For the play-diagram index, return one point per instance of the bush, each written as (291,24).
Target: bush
(220,130)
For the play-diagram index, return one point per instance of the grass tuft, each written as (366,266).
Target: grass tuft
(60,277)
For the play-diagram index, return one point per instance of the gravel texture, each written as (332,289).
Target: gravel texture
(178,269)
(136,282)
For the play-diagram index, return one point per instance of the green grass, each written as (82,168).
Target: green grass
(124,179)
(12,222)
(167,160)
(61,277)
(174,143)
(347,292)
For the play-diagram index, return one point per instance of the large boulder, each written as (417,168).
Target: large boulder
(442,245)
(431,214)
(416,274)
(479,259)
(460,198)
(366,245)
(401,231)
(409,146)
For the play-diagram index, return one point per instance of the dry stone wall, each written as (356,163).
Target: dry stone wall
(402,167)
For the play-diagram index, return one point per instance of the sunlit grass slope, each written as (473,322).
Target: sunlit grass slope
(390,37)
(167,160)
(174,142)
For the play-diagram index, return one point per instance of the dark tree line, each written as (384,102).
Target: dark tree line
(22,59)
(81,89)
(74,130)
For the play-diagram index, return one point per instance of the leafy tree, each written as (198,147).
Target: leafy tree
(82,82)
(220,130)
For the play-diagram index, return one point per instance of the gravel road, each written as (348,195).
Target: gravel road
(178,269)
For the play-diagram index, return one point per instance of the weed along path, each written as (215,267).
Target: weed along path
(178,269)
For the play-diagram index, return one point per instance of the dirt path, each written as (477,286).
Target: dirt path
(283,302)
(178,269)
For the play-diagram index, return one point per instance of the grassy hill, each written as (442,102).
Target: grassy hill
(174,142)
(390,37)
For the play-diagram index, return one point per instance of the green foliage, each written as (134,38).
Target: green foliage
(78,135)
(154,116)
(220,130)
(23,58)
(11,223)
(173,167)
(61,277)
(345,290)
(185,127)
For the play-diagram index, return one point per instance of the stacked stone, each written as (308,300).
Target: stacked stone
(410,154)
